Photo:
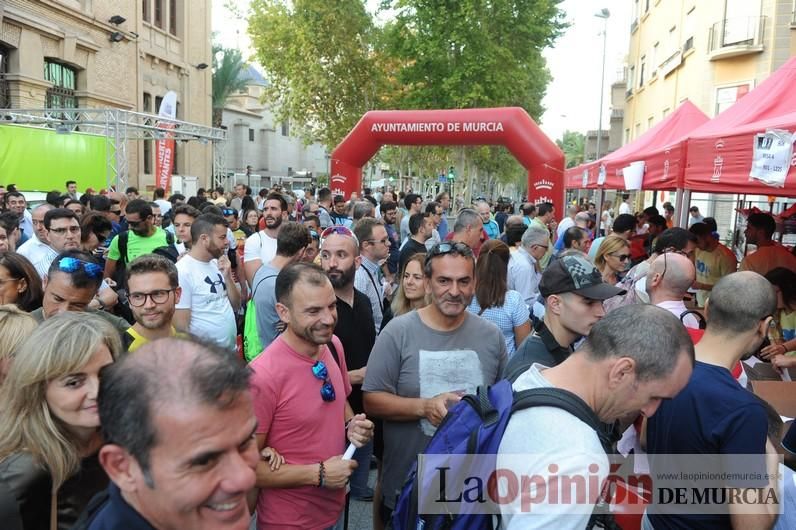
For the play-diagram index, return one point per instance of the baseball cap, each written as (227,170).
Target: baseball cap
(576,274)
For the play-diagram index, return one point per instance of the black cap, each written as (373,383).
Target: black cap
(576,274)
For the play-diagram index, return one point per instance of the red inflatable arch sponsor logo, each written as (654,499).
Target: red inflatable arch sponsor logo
(508,126)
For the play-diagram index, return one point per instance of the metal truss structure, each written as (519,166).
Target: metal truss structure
(118,127)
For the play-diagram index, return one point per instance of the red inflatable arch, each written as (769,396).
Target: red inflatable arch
(509,126)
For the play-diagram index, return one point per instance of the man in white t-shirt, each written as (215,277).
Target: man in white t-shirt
(632,359)
(625,206)
(160,199)
(260,247)
(210,298)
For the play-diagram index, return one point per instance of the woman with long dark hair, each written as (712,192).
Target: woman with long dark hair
(20,284)
(494,301)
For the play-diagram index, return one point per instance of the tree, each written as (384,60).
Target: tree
(228,67)
(573,145)
(471,53)
(319,60)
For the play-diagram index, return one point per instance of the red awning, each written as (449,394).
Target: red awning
(720,152)
(661,148)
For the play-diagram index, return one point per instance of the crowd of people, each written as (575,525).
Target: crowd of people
(186,362)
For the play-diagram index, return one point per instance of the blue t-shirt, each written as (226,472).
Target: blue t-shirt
(713,414)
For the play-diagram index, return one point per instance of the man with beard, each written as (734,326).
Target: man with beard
(291,244)
(340,259)
(714,415)
(209,298)
(300,402)
(425,360)
(154,291)
(142,238)
(260,248)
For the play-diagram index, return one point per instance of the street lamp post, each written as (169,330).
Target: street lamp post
(600,195)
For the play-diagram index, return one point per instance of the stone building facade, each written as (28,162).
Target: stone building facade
(80,53)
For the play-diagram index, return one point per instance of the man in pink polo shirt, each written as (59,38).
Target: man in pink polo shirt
(299,388)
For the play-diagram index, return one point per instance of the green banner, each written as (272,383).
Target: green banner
(42,160)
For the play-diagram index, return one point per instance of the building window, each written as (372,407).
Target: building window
(641,68)
(726,96)
(251,135)
(689,29)
(173,17)
(158,101)
(285,128)
(159,13)
(147,107)
(5,96)
(145,7)
(64,79)
(627,135)
(650,122)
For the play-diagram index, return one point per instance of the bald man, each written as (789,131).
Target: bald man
(668,281)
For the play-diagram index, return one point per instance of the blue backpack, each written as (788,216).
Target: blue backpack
(476,425)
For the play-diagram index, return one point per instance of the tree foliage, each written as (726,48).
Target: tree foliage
(471,53)
(573,145)
(228,65)
(328,63)
(318,58)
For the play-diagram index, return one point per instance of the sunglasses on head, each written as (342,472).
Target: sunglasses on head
(320,372)
(446,247)
(228,211)
(69,264)
(340,231)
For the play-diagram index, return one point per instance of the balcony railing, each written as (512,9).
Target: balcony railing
(736,36)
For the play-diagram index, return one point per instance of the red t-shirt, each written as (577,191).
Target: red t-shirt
(301,427)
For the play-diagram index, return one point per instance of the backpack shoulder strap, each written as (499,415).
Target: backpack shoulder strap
(699,316)
(565,400)
(254,289)
(123,238)
(169,237)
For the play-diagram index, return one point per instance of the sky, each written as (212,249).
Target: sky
(573,96)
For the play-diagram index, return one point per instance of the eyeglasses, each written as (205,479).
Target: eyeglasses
(115,212)
(340,231)
(4,281)
(159,296)
(621,257)
(135,224)
(382,241)
(69,264)
(543,246)
(314,235)
(320,372)
(62,231)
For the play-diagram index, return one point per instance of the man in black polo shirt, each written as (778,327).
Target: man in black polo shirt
(421,226)
(574,292)
(357,333)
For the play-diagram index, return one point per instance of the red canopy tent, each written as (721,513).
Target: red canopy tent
(661,148)
(719,153)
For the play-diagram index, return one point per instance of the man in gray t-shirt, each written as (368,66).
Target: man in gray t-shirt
(426,360)
(292,241)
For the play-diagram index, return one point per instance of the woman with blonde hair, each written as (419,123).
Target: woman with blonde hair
(411,293)
(49,423)
(494,301)
(15,326)
(613,258)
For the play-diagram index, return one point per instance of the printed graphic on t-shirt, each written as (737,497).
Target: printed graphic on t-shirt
(213,283)
(447,371)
